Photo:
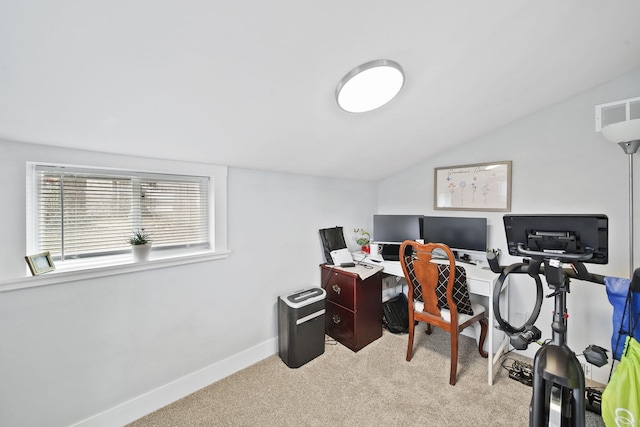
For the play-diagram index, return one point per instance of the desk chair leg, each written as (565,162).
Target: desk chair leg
(483,335)
(454,357)
(411,328)
(429,330)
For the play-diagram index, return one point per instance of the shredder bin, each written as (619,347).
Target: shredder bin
(301,326)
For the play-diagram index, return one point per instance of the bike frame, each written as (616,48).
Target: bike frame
(558,381)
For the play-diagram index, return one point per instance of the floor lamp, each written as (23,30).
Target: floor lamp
(627,135)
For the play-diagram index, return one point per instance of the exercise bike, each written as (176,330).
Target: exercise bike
(549,242)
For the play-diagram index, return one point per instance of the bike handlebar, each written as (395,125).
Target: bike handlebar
(559,256)
(577,272)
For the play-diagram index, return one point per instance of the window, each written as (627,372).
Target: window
(83,213)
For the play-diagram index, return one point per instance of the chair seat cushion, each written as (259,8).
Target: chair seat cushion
(446,314)
(477,309)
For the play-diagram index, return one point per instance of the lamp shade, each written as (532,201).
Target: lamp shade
(626,131)
(369,86)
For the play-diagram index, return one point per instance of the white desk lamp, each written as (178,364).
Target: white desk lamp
(627,135)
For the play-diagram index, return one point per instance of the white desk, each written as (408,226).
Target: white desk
(481,282)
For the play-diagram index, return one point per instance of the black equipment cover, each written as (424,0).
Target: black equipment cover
(395,314)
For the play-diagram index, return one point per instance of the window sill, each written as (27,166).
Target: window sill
(109,267)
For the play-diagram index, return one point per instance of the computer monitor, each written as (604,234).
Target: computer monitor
(459,233)
(395,229)
(559,234)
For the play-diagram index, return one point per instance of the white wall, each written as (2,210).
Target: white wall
(114,347)
(560,165)
(107,350)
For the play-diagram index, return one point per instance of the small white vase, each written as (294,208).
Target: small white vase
(141,252)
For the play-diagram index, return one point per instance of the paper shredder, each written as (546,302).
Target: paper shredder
(301,326)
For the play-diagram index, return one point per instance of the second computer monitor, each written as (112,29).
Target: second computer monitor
(459,233)
(395,229)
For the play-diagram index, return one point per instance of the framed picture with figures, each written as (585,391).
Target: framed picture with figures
(476,187)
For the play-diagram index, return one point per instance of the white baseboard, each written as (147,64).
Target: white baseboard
(155,399)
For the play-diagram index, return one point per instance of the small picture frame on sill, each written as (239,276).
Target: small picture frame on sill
(40,263)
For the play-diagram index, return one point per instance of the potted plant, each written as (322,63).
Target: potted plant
(363,239)
(140,245)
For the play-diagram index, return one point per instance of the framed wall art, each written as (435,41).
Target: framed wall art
(40,263)
(476,187)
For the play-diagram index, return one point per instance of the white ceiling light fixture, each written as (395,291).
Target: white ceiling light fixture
(370,86)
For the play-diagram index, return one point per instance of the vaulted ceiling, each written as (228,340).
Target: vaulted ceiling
(252,83)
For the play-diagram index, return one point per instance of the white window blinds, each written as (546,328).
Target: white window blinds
(87,213)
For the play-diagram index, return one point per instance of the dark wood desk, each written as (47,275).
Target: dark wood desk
(353,306)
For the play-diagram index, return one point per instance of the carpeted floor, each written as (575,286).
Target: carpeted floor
(375,386)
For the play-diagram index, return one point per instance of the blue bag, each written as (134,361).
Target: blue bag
(626,312)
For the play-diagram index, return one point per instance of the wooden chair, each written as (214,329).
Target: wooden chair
(435,297)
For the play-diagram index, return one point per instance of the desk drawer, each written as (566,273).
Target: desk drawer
(340,288)
(479,287)
(340,324)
